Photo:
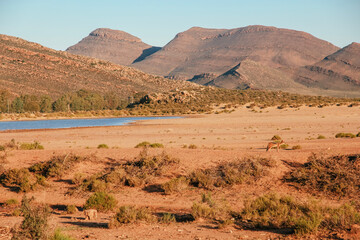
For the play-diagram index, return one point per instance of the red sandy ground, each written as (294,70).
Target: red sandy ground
(219,137)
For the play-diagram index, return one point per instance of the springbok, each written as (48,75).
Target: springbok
(271,144)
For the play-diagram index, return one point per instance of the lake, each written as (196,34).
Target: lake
(71,123)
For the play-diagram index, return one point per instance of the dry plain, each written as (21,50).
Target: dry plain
(218,137)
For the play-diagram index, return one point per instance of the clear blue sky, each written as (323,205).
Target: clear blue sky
(59,24)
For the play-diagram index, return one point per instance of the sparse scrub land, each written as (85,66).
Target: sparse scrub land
(337,175)
(188,101)
(133,173)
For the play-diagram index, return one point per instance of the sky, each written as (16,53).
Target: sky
(59,24)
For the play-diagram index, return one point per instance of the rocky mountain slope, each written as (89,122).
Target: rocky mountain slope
(200,50)
(113,45)
(29,68)
(340,71)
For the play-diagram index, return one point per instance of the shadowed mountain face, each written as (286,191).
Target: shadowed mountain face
(29,68)
(200,50)
(340,71)
(113,45)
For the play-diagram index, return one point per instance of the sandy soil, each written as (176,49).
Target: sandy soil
(218,137)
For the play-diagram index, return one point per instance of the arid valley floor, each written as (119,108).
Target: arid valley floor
(218,137)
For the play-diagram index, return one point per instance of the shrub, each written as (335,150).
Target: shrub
(101,201)
(321,137)
(11,202)
(58,235)
(276,137)
(168,218)
(31,146)
(71,209)
(102,146)
(284,146)
(296,147)
(143,144)
(228,174)
(2,148)
(150,145)
(209,209)
(156,145)
(35,222)
(192,146)
(131,214)
(336,175)
(57,165)
(358,134)
(272,211)
(175,185)
(21,179)
(345,135)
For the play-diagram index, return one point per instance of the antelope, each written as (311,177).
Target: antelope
(271,144)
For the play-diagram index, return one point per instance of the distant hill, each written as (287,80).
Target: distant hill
(113,45)
(215,51)
(29,68)
(338,71)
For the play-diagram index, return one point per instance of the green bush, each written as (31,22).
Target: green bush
(101,201)
(31,146)
(358,134)
(102,146)
(156,145)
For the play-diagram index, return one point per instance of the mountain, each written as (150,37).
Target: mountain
(340,71)
(200,50)
(29,68)
(113,45)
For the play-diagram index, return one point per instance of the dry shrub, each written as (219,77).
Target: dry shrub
(20,179)
(296,147)
(31,146)
(207,208)
(131,214)
(345,135)
(336,175)
(272,211)
(276,137)
(57,166)
(35,222)
(175,185)
(228,174)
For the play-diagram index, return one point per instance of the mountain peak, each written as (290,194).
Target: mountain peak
(114,34)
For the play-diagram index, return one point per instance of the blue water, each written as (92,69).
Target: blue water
(70,123)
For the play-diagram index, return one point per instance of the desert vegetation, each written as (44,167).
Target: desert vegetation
(195,100)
